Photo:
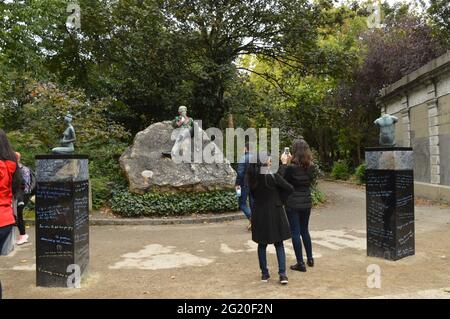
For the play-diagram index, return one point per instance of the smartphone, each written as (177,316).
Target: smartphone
(286,150)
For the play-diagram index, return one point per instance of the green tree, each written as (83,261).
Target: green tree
(305,105)
(439,12)
(219,32)
(41,118)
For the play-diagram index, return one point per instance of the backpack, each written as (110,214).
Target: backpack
(28,180)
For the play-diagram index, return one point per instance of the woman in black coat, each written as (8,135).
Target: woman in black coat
(269,220)
(300,173)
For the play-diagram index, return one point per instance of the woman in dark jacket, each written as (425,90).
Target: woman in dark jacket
(300,173)
(269,221)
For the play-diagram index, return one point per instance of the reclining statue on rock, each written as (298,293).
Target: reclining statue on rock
(185,126)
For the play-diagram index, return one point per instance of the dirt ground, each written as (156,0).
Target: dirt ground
(219,260)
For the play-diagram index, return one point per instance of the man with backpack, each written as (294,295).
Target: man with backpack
(27,191)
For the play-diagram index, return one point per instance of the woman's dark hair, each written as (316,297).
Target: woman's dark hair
(6,151)
(254,169)
(302,155)
(7,154)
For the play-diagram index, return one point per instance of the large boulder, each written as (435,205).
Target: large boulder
(147,170)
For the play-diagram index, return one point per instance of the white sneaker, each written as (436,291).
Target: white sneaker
(22,239)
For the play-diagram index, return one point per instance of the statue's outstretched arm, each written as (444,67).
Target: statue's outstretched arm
(177,122)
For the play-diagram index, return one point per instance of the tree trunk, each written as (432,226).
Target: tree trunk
(358,145)
(230,120)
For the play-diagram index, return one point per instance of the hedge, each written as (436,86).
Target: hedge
(127,204)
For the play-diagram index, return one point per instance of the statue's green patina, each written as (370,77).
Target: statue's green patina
(387,129)
(68,140)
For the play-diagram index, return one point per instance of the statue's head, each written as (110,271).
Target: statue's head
(182,110)
(68,118)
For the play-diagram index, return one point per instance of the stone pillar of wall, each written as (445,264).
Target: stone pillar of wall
(406,122)
(433,127)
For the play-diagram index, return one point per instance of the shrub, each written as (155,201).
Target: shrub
(317,196)
(360,173)
(127,204)
(28,145)
(101,191)
(98,136)
(340,170)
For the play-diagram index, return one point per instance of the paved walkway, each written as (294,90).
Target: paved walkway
(219,260)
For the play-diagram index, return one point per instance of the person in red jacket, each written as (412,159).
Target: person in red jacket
(10,182)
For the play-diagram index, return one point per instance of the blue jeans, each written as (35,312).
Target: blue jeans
(298,221)
(245,192)
(281,256)
(4,233)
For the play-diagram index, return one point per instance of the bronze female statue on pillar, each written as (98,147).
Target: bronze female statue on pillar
(68,140)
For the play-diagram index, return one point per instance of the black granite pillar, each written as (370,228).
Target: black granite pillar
(62,219)
(390,202)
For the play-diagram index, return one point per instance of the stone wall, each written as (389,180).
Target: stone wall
(419,139)
(444,139)
(421,101)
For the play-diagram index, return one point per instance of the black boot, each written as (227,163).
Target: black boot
(283,279)
(299,267)
(310,262)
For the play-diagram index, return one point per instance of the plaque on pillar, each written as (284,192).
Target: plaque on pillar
(62,219)
(390,202)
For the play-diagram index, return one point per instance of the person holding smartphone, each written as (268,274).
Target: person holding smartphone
(269,222)
(300,173)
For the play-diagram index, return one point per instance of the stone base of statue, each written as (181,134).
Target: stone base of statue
(149,164)
(390,202)
(62,219)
